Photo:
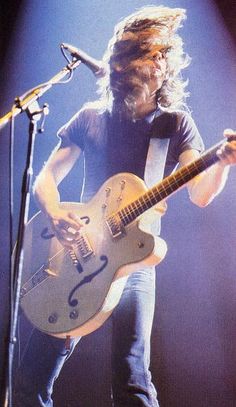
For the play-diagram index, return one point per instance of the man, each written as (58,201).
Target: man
(142,105)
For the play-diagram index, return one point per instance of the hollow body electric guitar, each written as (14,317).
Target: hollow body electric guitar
(72,291)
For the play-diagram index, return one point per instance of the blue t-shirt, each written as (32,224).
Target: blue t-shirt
(111,145)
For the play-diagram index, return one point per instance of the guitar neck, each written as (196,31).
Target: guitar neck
(168,186)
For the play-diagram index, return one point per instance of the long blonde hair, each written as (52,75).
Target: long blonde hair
(126,58)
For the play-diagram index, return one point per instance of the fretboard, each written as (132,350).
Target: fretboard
(168,186)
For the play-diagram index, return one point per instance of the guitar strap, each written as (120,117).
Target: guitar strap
(155,161)
(156,156)
(155,165)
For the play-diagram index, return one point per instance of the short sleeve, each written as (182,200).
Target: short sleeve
(75,129)
(183,135)
(189,135)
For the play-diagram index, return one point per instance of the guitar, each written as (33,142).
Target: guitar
(72,291)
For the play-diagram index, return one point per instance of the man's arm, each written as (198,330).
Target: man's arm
(46,192)
(203,188)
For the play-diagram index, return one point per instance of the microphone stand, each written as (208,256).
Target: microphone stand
(27,102)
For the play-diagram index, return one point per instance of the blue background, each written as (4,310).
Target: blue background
(193,343)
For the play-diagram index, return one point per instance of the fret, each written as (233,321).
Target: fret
(133,211)
(147,200)
(122,214)
(159,192)
(133,207)
(168,187)
(176,180)
(127,213)
(143,202)
(136,211)
(151,192)
(170,184)
(152,198)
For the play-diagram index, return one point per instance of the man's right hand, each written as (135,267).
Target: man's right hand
(66,225)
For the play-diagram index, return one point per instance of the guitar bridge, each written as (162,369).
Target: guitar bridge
(115,225)
(83,247)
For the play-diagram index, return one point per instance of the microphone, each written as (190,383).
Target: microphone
(97,67)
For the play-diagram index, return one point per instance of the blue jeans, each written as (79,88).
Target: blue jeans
(131,378)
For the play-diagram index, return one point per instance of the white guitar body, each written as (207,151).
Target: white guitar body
(72,292)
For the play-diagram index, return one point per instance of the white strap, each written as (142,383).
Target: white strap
(155,162)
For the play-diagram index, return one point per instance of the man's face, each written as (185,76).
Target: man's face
(146,79)
(156,60)
(140,80)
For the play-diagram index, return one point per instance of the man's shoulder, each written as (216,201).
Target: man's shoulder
(93,109)
(169,123)
(176,118)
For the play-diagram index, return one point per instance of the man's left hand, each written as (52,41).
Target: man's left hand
(227,152)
